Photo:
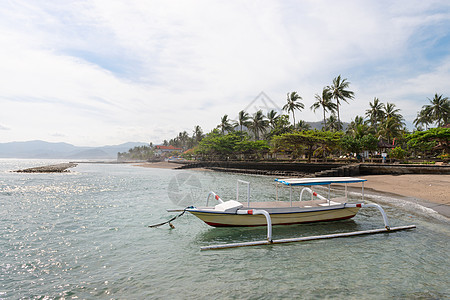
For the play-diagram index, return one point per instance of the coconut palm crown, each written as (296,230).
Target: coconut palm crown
(243,119)
(225,124)
(325,102)
(438,110)
(292,105)
(258,123)
(390,111)
(339,92)
(272,117)
(375,113)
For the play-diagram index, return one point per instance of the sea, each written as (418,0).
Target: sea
(85,235)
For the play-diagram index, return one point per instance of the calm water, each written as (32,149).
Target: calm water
(85,235)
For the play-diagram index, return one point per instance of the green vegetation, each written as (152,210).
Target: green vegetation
(431,141)
(136,153)
(398,153)
(273,136)
(234,145)
(306,142)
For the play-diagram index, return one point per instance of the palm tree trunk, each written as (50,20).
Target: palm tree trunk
(324,120)
(339,119)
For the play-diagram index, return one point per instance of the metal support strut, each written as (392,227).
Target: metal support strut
(386,222)
(248,190)
(260,212)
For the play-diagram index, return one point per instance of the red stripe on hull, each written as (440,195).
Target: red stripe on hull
(227,225)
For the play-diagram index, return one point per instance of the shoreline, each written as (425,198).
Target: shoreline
(164,165)
(429,190)
(157,165)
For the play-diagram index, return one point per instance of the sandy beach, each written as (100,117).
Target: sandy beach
(158,165)
(432,191)
(433,188)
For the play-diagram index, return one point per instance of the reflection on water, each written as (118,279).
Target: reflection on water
(84,235)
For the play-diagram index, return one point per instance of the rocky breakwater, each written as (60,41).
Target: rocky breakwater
(58,168)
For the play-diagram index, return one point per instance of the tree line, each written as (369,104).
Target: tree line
(259,135)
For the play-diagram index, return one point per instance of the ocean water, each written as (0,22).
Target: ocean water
(84,235)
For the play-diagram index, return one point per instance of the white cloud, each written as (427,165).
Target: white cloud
(105,72)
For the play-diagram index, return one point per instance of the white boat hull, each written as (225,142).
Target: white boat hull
(279,217)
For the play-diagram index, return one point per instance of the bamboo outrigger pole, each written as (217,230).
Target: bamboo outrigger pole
(308,238)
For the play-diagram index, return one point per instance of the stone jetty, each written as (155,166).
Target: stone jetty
(58,168)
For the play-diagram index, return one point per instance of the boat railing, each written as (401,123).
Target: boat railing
(309,190)
(248,190)
(215,197)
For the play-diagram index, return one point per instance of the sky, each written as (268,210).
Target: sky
(104,72)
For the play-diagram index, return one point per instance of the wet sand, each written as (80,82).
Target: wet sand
(433,190)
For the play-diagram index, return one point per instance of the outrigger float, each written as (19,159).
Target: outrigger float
(268,213)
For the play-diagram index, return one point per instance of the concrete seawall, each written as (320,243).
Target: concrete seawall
(385,169)
(264,168)
(317,169)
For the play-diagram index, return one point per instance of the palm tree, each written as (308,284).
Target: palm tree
(439,109)
(340,93)
(333,124)
(375,113)
(302,125)
(225,124)
(390,129)
(292,105)
(357,127)
(183,138)
(243,119)
(324,101)
(198,134)
(390,111)
(423,118)
(258,123)
(272,117)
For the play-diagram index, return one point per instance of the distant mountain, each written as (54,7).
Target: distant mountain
(42,149)
(318,125)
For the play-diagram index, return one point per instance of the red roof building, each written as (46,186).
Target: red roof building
(159,149)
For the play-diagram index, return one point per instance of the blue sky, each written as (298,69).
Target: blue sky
(103,72)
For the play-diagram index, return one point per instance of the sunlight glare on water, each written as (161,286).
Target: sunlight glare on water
(84,234)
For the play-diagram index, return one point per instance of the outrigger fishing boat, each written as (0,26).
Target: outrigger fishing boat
(309,207)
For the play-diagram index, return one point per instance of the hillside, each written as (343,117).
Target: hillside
(42,149)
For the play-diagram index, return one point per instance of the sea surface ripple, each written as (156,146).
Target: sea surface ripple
(84,235)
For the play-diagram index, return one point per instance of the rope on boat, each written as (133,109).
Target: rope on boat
(173,219)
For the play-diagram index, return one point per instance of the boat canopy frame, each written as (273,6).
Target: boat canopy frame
(321,181)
